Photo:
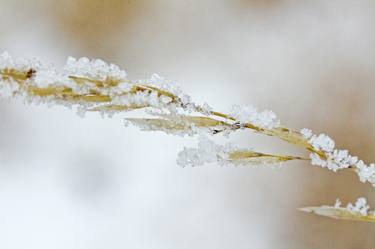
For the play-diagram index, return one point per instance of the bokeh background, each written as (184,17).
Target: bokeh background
(68,182)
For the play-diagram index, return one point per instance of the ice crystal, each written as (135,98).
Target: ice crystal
(96,69)
(337,203)
(50,77)
(322,142)
(249,114)
(366,173)
(339,159)
(335,159)
(162,83)
(307,133)
(8,62)
(8,90)
(360,206)
(317,160)
(207,152)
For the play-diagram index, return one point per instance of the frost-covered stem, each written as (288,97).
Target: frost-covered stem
(78,85)
(359,211)
(94,85)
(96,97)
(285,134)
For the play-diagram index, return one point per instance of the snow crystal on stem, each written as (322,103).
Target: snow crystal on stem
(206,152)
(249,114)
(337,159)
(337,203)
(7,62)
(8,90)
(360,206)
(173,88)
(366,173)
(317,160)
(96,69)
(342,159)
(322,142)
(162,83)
(307,133)
(49,76)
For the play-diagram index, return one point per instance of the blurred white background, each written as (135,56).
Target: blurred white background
(68,182)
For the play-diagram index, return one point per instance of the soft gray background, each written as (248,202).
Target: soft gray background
(67,182)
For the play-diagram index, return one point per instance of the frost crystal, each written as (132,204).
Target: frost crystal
(96,69)
(366,173)
(317,160)
(162,83)
(322,142)
(249,114)
(206,109)
(8,90)
(50,77)
(307,133)
(360,206)
(7,62)
(207,152)
(339,159)
(338,203)
(342,159)
(335,159)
